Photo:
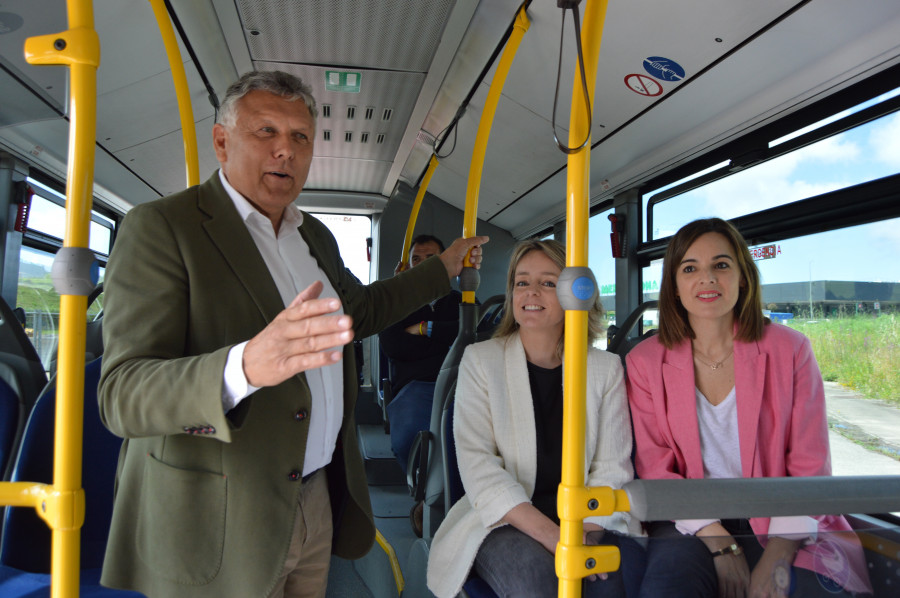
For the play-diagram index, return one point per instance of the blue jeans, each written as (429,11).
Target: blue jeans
(409,412)
(516,565)
(680,566)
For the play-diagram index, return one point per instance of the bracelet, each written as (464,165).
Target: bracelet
(422,328)
(732,549)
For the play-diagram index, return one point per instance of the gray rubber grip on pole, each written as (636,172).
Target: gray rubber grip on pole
(576,288)
(469,279)
(74,271)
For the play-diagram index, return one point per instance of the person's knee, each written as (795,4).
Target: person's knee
(515,565)
(679,567)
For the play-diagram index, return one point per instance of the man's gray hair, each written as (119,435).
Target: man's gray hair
(279,83)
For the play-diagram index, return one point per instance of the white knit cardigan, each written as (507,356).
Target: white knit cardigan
(495,445)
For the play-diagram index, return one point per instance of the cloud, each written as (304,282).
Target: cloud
(830,150)
(885,141)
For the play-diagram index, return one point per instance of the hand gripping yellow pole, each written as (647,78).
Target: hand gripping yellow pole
(62,505)
(414,215)
(182,92)
(574,560)
(470,218)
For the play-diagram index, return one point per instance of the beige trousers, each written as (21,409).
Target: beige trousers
(305,573)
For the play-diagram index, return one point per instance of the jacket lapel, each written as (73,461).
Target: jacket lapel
(678,377)
(231,237)
(316,247)
(749,381)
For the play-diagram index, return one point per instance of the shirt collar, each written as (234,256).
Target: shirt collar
(292,215)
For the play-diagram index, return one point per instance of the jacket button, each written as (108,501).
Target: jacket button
(300,415)
(295,475)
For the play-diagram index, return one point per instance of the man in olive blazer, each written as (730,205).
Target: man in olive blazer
(206,499)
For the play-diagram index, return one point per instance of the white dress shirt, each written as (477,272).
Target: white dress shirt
(720,445)
(293,268)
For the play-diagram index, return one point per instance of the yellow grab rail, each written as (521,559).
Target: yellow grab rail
(414,215)
(574,561)
(182,92)
(61,504)
(476,167)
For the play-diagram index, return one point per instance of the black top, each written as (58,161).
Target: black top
(547,397)
(416,357)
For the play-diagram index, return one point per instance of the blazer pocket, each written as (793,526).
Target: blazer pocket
(181,522)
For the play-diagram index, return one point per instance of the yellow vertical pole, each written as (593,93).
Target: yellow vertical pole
(414,214)
(63,505)
(577,213)
(470,218)
(182,92)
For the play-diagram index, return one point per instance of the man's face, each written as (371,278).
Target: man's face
(423,251)
(266,154)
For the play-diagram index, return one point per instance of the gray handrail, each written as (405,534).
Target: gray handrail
(655,500)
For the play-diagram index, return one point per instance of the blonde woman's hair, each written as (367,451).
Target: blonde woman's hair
(556,251)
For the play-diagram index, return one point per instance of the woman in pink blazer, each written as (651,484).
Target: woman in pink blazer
(721,392)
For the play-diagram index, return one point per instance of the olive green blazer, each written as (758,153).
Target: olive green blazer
(205,503)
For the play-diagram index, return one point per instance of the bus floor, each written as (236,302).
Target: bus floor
(372,576)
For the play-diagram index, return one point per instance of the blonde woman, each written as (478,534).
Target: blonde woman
(508,431)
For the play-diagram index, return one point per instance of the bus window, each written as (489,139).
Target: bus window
(864,153)
(35,293)
(351,232)
(601,261)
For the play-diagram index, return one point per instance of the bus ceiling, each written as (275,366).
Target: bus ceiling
(672,85)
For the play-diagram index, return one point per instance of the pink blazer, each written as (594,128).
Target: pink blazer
(782,429)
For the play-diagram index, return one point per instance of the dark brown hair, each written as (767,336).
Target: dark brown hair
(673,318)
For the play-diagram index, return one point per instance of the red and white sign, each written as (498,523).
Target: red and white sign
(643,85)
(765,252)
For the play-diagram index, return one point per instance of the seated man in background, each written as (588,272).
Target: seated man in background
(416,346)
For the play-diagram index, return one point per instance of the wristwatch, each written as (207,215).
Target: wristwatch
(732,549)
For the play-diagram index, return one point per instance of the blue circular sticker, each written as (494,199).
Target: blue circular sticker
(583,288)
(663,68)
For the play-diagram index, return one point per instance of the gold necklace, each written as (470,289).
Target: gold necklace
(715,364)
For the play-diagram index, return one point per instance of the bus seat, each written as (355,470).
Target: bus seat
(93,346)
(19,584)
(22,370)
(94,339)
(26,538)
(490,313)
(427,482)
(9,418)
(475,586)
(621,339)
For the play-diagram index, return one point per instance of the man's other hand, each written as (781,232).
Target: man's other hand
(304,336)
(454,255)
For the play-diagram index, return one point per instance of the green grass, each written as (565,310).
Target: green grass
(860,352)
